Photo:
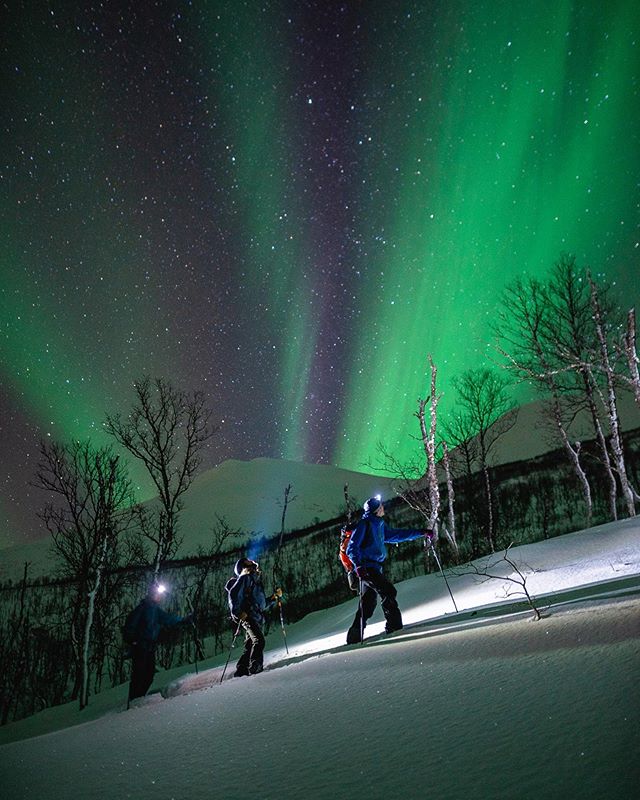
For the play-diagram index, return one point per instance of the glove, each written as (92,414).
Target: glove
(362,573)
(429,537)
(242,616)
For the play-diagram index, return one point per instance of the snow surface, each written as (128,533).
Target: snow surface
(483,704)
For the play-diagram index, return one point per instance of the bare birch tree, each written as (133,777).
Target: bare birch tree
(451,516)
(610,399)
(428,436)
(286,499)
(572,343)
(632,355)
(522,329)
(166,429)
(489,412)
(430,445)
(462,462)
(92,507)
(416,482)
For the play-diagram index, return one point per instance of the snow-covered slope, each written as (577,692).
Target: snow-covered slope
(248,494)
(530,437)
(474,705)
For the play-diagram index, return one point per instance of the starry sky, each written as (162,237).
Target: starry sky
(288,204)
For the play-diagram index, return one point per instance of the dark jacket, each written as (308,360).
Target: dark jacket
(246,593)
(145,622)
(366,546)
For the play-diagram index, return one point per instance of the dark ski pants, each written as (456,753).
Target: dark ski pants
(375,585)
(143,667)
(250,662)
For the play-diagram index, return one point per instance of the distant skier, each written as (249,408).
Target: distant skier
(141,631)
(367,551)
(247,604)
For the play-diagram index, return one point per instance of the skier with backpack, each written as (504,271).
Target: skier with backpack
(365,551)
(247,604)
(141,631)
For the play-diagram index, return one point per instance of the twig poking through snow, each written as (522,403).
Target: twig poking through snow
(520,580)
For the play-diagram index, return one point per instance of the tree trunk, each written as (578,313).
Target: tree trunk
(602,444)
(632,355)
(91,604)
(430,448)
(612,404)
(489,500)
(451,528)
(574,455)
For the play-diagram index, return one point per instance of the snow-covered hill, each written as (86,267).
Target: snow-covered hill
(484,704)
(248,494)
(530,437)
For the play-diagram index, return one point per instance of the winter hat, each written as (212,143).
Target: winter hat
(241,563)
(373,504)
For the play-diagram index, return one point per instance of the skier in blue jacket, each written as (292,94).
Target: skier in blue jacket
(141,631)
(367,551)
(247,604)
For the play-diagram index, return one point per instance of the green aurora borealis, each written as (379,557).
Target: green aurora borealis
(290,204)
(525,147)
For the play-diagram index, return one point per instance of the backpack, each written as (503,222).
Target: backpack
(130,627)
(345,534)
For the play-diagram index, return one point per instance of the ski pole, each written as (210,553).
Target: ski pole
(435,555)
(233,642)
(360,609)
(284,633)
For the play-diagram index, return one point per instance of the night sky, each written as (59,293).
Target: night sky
(289,204)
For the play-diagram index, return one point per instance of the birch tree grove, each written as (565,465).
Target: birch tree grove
(91,508)
(557,335)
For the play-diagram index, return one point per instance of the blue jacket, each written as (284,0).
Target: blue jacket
(246,593)
(144,623)
(366,546)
